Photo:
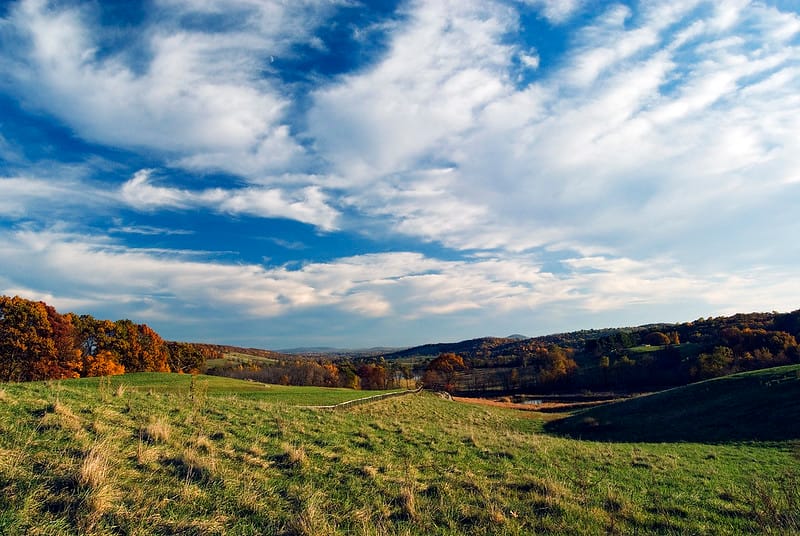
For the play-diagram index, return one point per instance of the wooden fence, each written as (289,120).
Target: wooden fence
(365,400)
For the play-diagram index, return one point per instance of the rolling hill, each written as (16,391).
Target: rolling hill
(763,405)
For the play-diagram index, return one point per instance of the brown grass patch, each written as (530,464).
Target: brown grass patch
(549,407)
(496,515)
(193,467)
(93,472)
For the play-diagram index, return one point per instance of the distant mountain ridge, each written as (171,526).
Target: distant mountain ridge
(702,328)
(482,345)
(330,350)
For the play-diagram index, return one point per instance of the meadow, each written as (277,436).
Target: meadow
(175,454)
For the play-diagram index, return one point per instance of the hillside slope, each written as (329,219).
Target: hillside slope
(156,454)
(762,405)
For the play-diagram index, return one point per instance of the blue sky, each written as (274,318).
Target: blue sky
(339,173)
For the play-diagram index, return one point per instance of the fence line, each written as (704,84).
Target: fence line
(365,400)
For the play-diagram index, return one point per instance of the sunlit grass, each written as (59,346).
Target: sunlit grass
(236,460)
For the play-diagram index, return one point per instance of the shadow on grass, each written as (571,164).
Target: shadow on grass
(754,406)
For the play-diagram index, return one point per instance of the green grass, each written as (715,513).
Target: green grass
(165,455)
(644,349)
(761,405)
(155,382)
(238,358)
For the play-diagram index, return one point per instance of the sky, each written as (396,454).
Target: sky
(389,173)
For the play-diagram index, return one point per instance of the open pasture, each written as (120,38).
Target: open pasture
(168,454)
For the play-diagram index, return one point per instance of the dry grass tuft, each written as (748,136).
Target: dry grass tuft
(146,456)
(369,471)
(93,476)
(157,431)
(99,427)
(93,472)
(215,525)
(295,455)
(313,521)
(546,487)
(408,501)
(203,443)
(496,515)
(257,451)
(4,397)
(776,505)
(60,416)
(120,391)
(193,467)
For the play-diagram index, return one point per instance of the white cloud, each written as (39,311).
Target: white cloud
(556,11)
(531,61)
(140,193)
(47,192)
(641,133)
(200,99)
(82,271)
(308,205)
(442,68)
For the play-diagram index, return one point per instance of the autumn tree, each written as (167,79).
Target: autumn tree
(66,360)
(104,363)
(152,350)
(714,364)
(554,365)
(441,372)
(185,357)
(348,376)
(372,376)
(26,343)
(656,338)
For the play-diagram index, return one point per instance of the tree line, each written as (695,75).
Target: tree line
(368,374)
(639,358)
(39,343)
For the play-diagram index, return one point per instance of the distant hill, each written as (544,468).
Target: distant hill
(310,350)
(339,352)
(483,346)
(227,349)
(763,405)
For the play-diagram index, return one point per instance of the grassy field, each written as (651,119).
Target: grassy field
(759,405)
(238,358)
(165,454)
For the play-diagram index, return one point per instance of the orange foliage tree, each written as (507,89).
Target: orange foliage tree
(102,364)
(38,343)
(26,343)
